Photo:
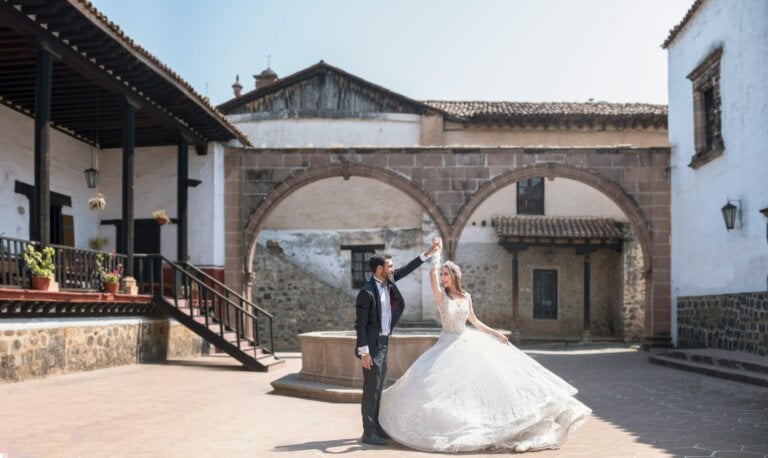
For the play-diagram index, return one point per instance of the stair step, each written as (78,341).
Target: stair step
(738,375)
(722,358)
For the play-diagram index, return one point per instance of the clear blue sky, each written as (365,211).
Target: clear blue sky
(503,50)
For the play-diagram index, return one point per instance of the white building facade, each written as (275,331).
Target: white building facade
(718,109)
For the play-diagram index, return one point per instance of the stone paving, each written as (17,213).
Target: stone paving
(210,407)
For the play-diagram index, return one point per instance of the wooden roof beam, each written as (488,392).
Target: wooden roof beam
(24,26)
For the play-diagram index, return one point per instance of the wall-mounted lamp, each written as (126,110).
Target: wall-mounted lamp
(764,211)
(731,213)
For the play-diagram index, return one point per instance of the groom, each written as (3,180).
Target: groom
(378,306)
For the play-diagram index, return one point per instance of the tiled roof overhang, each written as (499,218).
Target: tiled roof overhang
(679,27)
(97,70)
(577,115)
(543,230)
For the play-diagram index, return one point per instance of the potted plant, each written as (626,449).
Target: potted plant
(97,202)
(111,273)
(161,217)
(97,242)
(40,264)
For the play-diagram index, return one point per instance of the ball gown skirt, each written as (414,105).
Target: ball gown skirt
(470,392)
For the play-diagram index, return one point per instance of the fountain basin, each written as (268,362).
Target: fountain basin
(328,357)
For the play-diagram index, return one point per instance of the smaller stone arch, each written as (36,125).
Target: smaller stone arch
(260,214)
(637,220)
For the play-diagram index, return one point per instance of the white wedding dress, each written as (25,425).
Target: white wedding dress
(471,392)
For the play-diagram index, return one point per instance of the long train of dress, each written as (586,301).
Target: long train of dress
(471,392)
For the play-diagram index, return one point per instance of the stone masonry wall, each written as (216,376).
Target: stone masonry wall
(299,301)
(36,348)
(450,184)
(729,322)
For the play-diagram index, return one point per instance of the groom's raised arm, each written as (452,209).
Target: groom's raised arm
(417,261)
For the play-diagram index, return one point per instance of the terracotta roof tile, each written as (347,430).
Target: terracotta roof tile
(676,29)
(512,110)
(543,226)
(161,67)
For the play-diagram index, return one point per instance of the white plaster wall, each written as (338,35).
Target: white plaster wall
(313,223)
(562,198)
(335,203)
(155,171)
(705,258)
(386,130)
(69,157)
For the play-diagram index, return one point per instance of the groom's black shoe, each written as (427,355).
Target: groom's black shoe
(383,434)
(373,439)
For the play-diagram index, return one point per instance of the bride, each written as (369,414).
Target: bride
(471,391)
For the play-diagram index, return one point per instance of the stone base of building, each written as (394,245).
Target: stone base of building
(43,347)
(734,321)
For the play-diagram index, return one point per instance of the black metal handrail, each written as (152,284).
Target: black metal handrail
(256,310)
(220,310)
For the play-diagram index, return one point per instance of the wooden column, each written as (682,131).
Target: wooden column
(182,194)
(129,152)
(514,249)
(41,216)
(587,290)
(586,251)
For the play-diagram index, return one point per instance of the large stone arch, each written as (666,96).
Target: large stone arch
(637,220)
(260,214)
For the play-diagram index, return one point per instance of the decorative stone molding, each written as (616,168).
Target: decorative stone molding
(706,97)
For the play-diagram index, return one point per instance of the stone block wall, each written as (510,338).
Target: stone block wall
(36,348)
(737,321)
(299,301)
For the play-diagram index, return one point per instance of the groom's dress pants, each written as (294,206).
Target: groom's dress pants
(373,384)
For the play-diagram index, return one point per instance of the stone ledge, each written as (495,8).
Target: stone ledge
(715,368)
(292,385)
(9,294)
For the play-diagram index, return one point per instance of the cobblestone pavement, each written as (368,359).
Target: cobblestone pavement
(210,407)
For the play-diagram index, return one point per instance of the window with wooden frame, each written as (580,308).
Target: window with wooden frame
(707,110)
(360,254)
(530,196)
(544,294)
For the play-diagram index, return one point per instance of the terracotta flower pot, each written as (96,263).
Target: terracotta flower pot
(111,287)
(41,283)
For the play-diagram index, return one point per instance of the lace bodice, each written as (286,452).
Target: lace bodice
(453,313)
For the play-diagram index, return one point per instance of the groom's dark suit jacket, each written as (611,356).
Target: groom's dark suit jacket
(368,309)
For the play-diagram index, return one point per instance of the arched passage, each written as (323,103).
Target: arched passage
(283,190)
(613,191)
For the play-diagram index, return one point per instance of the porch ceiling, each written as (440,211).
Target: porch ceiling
(97,69)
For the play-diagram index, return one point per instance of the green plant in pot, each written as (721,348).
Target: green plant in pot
(111,272)
(40,264)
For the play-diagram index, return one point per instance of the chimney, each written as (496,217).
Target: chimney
(237,87)
(265,78)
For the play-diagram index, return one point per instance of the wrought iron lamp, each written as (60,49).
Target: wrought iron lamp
(730,212)
(91,175)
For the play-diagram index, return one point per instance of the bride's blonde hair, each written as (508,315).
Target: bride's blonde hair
(455,272)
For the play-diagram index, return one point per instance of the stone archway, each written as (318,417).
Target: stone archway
(284,189)
(637,220)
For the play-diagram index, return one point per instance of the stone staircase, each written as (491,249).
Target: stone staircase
(730,365)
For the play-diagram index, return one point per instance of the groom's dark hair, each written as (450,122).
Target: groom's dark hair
(377,260)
